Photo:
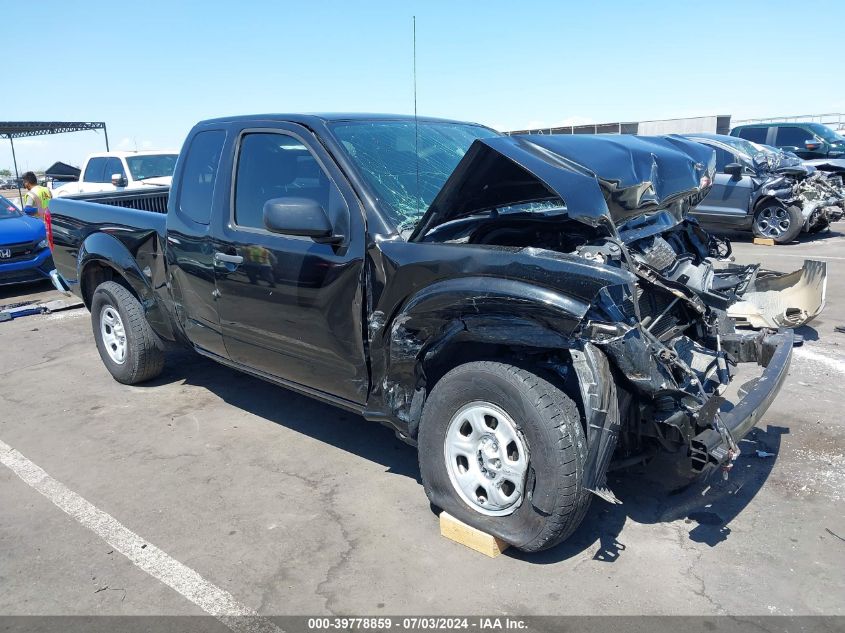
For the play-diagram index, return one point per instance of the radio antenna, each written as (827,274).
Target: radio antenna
(416,122)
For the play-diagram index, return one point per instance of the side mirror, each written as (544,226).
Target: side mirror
(118,180)
(733,169)
(812,144)
(299,216)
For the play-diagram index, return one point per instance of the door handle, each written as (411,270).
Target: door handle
(228,259)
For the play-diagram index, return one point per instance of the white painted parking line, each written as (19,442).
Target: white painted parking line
(157,563)
(810,256)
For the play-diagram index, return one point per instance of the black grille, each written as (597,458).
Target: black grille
(19,252)
(157,203)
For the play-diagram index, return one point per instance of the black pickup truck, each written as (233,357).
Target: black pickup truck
(521,308)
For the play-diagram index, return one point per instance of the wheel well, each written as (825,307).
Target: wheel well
(96,273)
(553,365)
(766,200)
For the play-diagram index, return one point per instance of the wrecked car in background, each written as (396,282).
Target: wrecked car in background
(520,308)
(766,193)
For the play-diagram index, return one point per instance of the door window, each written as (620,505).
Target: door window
(791,136)
(113,166)
(198,175)
(272,165)
(723,157)
(94,170)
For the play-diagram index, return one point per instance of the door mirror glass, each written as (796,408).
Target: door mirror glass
(299,216)
(733,169)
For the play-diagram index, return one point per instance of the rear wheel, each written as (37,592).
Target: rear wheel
(503,450)
(775,221)
(128,347)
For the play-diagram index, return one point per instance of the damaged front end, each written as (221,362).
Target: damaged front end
(819,195)
(674,343)
(667,334)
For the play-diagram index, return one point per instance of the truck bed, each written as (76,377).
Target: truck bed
(136,221)
(151,199)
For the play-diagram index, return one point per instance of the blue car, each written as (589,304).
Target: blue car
(24,253)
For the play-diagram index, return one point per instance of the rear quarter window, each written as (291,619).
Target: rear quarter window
(754,134)
(199,174)
(94,170)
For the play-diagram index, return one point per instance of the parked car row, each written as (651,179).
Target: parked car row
(806,140)
(768,190)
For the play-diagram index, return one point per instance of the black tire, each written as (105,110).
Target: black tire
(555,501)
(144,354)
(774,220)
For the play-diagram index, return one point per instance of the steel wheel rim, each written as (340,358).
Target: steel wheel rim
(113,334)
(773,221)
(487,459)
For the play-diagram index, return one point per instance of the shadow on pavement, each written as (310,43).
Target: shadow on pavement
(657,494)
(651,494)
(15,293)
(807,332)
(334,426)
(804,238)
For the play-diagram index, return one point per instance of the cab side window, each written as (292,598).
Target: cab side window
(272,165)
(94,170)
(754,134)
(113,166)
(198,175)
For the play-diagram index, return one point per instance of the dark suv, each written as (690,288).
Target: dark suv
(807,140)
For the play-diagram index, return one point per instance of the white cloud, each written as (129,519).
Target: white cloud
(31,142)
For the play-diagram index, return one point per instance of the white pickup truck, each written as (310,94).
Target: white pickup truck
(119,171)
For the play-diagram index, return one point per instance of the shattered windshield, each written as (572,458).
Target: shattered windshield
(742,146)
(385,152)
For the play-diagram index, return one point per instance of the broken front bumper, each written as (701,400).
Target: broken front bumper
(710,449)
(777,300)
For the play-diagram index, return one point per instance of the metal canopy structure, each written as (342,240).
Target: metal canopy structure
(22,129)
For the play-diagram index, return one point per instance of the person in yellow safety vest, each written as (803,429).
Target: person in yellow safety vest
(37,197)
(258,264)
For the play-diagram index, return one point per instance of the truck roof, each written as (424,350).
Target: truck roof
(312,118)
(125,153)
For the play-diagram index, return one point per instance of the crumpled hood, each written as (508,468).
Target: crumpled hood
(22,229)
(602,179)
(827,164)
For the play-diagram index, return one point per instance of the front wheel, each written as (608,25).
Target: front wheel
(503,450)
(775,221)
(128,347)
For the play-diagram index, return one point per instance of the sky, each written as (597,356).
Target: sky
(152,69)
